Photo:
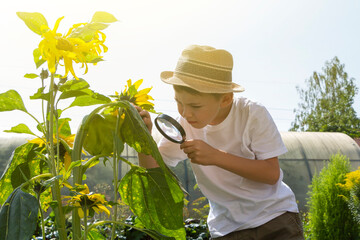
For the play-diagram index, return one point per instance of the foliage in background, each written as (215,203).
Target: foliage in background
(329,217)
(197,208)
(327,102)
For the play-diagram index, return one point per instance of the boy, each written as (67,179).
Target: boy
(233,145)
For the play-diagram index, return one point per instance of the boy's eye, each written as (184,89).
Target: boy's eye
(196,106)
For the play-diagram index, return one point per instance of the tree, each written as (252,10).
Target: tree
(326,104)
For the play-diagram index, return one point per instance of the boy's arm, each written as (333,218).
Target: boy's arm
(146,161)
(265,171)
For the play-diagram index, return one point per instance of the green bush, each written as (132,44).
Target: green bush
(329,217)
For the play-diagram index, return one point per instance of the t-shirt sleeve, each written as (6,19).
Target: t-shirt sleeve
(171,152)
(266,141)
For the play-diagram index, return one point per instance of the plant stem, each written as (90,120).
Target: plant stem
(59,215)
(116,170)
(85,222)
(42,218)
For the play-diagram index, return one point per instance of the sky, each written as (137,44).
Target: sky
(276,46)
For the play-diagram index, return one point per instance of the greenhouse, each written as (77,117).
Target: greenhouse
(307,154)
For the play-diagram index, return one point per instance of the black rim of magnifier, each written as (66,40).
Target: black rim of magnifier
(174,123)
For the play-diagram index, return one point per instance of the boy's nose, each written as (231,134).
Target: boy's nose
(186,113)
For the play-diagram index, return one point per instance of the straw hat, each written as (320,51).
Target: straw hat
(205,69)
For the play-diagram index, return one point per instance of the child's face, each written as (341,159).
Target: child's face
(200,110)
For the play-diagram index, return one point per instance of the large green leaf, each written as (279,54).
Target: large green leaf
(134,131)
(18,216)
(150,197)
(155,195)
(23,155)
(11,100)
(33,20)
(100,135)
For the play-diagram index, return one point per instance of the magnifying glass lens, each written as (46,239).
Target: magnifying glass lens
(170,130)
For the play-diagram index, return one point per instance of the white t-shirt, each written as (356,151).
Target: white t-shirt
(237,203)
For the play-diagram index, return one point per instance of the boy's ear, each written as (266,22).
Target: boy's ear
(227,99)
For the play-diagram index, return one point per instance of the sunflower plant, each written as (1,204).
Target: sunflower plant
(39,169)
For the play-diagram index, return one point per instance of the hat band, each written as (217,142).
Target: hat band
(205,72)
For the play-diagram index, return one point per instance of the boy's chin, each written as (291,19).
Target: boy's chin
(197,125)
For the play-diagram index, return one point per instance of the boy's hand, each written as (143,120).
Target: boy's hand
(199,152)
(145,115)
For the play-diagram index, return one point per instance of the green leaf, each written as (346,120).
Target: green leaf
(90,163)
(88,100)
(20,174)
(38,60)
(70,94)
(103,17)
(97,26)
(84,32)
(94,234)
(63,124)
(41,95)
(11,100)
(98,22)
(31,75)
(99,138)
(34,21)
(150,197)
(155,196)
(23,154)
(72,165)
(93,58)
(18,216)
(73,85)
(21,128)
(49,182)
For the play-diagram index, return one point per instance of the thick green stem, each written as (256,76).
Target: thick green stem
(59,214)
(115,173)
(75,156)
(116,170)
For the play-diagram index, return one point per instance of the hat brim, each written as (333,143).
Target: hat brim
(199,85)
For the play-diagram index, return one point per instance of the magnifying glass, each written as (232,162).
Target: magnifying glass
(170,128)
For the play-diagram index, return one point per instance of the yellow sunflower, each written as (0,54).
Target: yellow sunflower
(69,140)
(89,201)
(55,47)
(132,94)
(83,43)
